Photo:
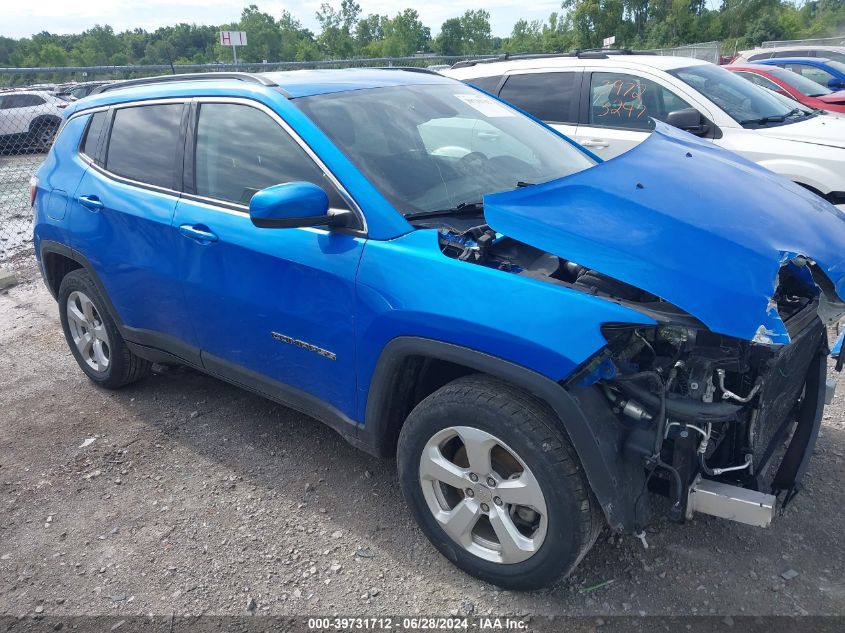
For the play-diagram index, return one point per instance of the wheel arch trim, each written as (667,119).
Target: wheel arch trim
(591,445)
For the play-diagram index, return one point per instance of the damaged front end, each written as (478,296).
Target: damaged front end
(717,406)
(721,425)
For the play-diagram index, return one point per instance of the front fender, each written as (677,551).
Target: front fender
(408,287)
(817,176)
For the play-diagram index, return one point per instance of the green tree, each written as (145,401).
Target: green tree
(450,41)
(405,34)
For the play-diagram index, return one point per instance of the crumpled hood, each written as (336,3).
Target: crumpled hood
(676,216)
(818,130)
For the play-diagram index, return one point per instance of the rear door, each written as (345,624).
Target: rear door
(550,95)
(121,219)
(618,108)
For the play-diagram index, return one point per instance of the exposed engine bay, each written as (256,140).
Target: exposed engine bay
(698,410)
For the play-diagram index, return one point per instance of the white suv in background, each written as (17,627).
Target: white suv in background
(807,50)
(29,119)
(606,102)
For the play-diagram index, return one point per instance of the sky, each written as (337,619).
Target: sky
(22,19)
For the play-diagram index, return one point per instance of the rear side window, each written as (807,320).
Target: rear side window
(21,101)
(92,135)
(144,143)
(241,150)
(487,84)
(547,96)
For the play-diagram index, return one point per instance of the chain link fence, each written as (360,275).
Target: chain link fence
(29,120)
(707,51)
(819,41)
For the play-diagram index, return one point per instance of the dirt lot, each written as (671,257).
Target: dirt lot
(196,497)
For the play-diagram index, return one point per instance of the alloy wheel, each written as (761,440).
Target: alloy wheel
(483,495)
(88,331)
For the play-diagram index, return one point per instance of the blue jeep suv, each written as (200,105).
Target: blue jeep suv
(547,343)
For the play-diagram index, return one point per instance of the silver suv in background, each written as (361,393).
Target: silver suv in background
(29,119)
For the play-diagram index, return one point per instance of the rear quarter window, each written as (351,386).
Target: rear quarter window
(91,139)
(144,143)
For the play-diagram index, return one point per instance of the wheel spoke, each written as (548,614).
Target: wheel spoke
(84,344)
(522,491)
(460,520)
(515,546)
(100,356)
(87,309)
(435,467)
(478,445)
(74,313)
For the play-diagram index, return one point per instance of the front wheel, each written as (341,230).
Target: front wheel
(496,485)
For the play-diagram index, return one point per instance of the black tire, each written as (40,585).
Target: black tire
(124,367)
(43,133)
(533,431)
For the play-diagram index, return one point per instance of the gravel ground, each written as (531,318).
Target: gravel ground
(184,495)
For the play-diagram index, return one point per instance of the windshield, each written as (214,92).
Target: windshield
(742,100)
(437,147)
(799,82)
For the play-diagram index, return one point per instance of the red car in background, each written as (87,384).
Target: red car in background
(791,84)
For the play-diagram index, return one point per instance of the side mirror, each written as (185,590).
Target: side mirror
(688,120)
(291,205)
(836,84)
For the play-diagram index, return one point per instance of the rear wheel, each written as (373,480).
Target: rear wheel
(43,134)
(495,485)
(92,335)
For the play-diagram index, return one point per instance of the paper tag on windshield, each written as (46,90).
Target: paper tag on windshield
(485,105)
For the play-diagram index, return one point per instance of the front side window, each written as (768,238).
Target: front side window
(547,96)
(434,147)
(241,150)
(741,100)
(626,101)
(144,143)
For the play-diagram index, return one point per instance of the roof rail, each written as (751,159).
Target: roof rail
(410,69)
(581,53)
(145,81)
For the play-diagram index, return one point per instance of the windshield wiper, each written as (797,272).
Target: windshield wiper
(459,209)
(772,119)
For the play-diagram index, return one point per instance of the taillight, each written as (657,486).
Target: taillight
(33,189)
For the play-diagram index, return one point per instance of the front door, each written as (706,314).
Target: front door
(272,307)
(620,111)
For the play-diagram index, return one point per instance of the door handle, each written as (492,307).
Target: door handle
(488,136)
(91,202)
(198,233)
(595,142)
